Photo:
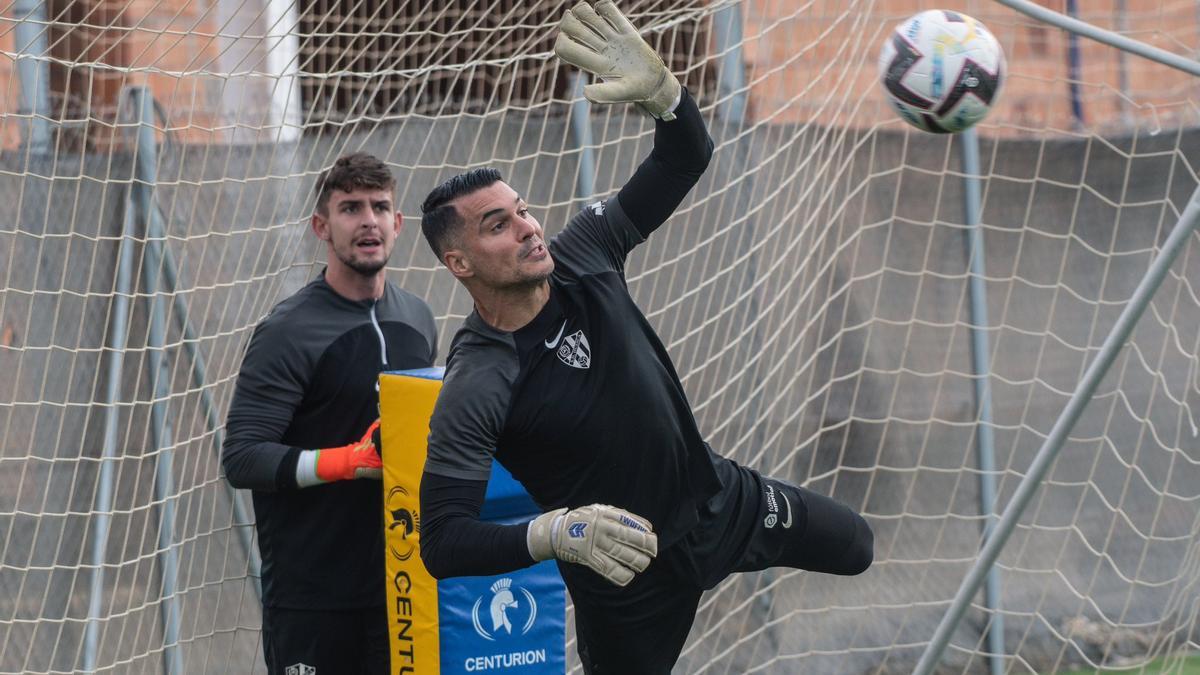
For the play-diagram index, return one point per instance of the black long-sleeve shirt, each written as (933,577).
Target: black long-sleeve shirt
(582,405)
(308,381)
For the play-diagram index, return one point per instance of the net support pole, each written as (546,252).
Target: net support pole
(1101,35)
(159,255)
(283,58)
(728,33)
(1074,67)
(263,106)
(145,176)
(33,71)
(118,338)
(981,367)
(1108,352)
(1121,22)
(581,133)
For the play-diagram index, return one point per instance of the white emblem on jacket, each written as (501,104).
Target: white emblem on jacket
(575,350)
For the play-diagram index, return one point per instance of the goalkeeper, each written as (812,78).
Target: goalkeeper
(559,376)
(300,432)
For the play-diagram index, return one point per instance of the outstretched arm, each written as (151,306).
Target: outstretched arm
(603,42)
(682,149)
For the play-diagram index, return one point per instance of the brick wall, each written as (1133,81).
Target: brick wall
(804,60)
(10,128)
(830,50)
(94,43)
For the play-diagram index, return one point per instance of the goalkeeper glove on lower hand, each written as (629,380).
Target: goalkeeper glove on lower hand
(359,459)
(612,542)
(603,42)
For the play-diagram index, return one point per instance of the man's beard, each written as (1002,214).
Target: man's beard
(366,268)
(532,280)
(539,278)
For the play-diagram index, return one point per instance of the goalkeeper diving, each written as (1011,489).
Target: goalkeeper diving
(559,376)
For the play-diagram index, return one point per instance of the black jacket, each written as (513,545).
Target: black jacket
(310,380)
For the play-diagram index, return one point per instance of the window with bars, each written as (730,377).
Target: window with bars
(370,61)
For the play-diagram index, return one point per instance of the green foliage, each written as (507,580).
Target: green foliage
(1169,665)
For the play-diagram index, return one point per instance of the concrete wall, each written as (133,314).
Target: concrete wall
(812,293)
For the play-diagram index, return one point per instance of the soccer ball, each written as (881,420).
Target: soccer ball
(942,70)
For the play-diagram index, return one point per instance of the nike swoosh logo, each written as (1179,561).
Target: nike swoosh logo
(786,523)
(551,344)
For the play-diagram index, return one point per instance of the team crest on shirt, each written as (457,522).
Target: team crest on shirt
(575,351)
(301,669)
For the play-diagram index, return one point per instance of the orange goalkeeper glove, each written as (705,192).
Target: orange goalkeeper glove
(359,459)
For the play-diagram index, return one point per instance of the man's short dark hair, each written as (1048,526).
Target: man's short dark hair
(439,219)
(355,171)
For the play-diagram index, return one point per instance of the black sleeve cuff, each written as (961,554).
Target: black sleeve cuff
(684,143)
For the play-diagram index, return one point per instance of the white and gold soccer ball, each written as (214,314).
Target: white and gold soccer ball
(941,70)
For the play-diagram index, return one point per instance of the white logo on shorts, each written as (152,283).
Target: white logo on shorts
(772,517)
(301,669)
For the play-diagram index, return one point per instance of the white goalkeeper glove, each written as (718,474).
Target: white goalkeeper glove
(613,542)
(603,42)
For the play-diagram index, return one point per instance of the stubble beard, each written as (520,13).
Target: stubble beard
(364,268)
(532,281)
(536,279)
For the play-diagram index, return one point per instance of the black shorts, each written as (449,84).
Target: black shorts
(755,522)
(303,642)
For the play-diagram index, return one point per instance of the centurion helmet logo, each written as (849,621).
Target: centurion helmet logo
(503,609)
(405,520)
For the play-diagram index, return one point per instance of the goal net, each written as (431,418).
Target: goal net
(157,161)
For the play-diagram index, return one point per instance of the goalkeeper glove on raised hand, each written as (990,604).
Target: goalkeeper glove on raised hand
(359,459)
(603,42)
(613,542)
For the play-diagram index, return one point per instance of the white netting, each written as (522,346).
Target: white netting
(813,291)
